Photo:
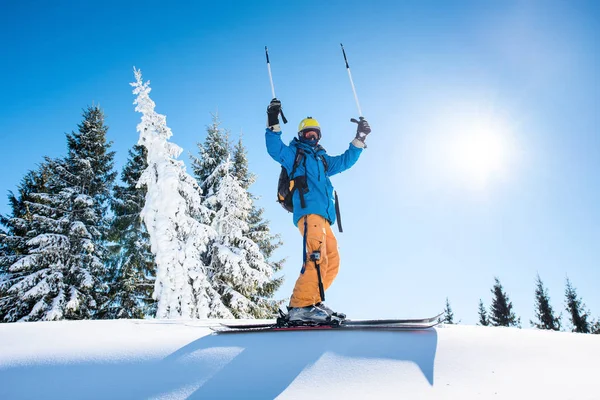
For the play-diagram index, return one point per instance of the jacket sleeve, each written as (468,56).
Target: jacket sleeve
(278,150)
(347,159)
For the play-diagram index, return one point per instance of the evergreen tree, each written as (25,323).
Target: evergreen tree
(259,231)
(176,220)
(448,314)
(575,308)
(596,328)
(61,271)
(543,309)
(133,267)
(240,166)
(483,317)
(13,239)
(233,278)
(211,155)
(241,273)
(501,311)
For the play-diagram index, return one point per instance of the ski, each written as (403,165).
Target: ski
(327,327)
(393,321)
(383,324)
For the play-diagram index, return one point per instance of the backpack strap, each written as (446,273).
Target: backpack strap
(299,182)
(297,159)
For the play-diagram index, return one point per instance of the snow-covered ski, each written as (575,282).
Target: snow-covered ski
(379,324)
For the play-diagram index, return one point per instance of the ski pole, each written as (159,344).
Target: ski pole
(270,74)
(271,80)
(351,82)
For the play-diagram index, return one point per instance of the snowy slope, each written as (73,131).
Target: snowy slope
(127,359)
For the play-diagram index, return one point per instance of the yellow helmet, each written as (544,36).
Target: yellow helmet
(309,123)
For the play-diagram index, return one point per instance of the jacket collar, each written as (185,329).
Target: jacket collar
(295,142)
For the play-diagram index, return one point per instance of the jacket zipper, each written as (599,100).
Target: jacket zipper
(318,168)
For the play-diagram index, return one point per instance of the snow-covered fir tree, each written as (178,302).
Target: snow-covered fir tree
(13,239)
(133,268)
(448,314)
(596,327)
(239,167)
(576,310)
(211,155)
(241,270)
(61,273)
(241,273)
(501,310)
(175,218)
(543,310)
(483,317)
(259,230)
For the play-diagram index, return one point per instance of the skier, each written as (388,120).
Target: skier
(313,208)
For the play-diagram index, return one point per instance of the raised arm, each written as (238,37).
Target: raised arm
(275,146)
(278,150)
(337,164)
(340,163)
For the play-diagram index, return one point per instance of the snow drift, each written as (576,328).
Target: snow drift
(139,359)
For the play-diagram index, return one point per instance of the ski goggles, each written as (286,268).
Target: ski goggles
(306,133)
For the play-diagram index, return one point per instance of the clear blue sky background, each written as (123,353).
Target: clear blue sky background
(485,149)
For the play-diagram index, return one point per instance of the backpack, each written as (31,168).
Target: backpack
(288,184)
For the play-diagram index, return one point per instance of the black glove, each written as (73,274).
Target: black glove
(273,111)
(362,130)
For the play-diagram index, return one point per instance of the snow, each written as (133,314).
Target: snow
(178,359)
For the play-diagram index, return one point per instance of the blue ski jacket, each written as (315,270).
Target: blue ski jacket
(319,199)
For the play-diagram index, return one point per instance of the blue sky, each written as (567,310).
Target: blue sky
(485,149)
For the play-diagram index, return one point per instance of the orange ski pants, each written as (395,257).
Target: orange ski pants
(319,237)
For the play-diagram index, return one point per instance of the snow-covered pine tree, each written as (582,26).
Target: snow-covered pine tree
(543,309)
(259,231)
(242,273)
(576,309)
(448,314)
(211,154)
(483,317)
(239,167)
(244,243)
(61,274)
(501,310)
(175,218)
(239,270)
(133,267)
(13,239)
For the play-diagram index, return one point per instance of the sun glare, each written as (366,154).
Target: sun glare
(473,149)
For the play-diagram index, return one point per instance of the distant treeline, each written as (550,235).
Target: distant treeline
(501,312)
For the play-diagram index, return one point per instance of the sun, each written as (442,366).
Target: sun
(472,148)
(479,152)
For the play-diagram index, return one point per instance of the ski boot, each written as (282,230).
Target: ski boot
(309,315)
(334,315)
